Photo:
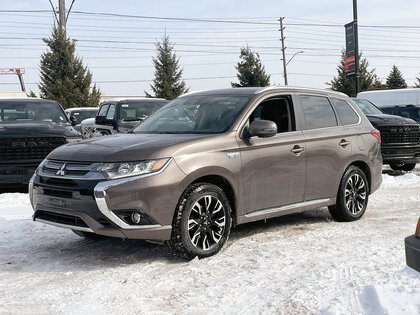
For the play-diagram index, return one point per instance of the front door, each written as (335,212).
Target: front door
(274,168)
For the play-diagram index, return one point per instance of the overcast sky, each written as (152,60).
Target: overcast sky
(119,50)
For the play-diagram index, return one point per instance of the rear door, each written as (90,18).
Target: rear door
(328,147)
(274,168)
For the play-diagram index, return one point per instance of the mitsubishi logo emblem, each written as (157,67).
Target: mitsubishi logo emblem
(62,170)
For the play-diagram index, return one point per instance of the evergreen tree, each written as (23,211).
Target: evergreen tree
(417,83)
(250,70)
(168,82)
(395,79)
(367,78)
(63,76)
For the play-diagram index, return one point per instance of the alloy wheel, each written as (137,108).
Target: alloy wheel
(355,194)
(206,222)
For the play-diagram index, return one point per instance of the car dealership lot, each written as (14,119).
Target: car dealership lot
(294,264)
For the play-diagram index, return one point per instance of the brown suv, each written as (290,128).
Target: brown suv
(210,160)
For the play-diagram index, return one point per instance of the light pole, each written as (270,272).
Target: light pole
(299,52)
(285,65)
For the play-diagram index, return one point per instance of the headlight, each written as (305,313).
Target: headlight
(125,169)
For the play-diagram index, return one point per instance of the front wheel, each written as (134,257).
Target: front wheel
(407,167)
(352,197)
(202,222)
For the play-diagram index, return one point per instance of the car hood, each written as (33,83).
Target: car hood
(122,147)
(384,119)
(36,129)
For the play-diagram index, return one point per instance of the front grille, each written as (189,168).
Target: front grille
(58,193)
(60,218)
(62,182)
(405,134)
(30,148)
(51,167)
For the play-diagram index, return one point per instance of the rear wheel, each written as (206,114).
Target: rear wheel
(403,166)
(352,197)
(202,222)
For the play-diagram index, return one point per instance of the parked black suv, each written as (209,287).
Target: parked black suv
(30,129)
(120,116)
(400,136)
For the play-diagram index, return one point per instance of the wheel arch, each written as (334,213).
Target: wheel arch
(223,183)
(365,168)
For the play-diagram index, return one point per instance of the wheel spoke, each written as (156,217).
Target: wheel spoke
(192,223)
(207,202)
(196,237)
(197,208)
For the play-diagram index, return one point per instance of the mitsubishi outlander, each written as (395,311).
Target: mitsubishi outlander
(211,160)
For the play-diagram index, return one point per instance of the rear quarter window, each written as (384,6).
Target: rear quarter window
(318,112)
(345,112)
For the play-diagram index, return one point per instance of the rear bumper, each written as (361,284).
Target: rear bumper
(400,154)
(412,252)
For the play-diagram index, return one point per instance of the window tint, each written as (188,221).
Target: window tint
(111,112)
(278,110)
(318,112)
(132,111)
(103,110)
(200,114)
(346,113)
(23,111)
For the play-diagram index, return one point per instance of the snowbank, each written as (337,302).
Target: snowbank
(297,264)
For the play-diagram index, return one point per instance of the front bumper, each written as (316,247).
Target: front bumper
(400,154)
(17,175)
(93,205)
(412,252)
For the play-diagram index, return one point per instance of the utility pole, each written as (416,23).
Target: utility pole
(356,46)
(283,49)
(62,14)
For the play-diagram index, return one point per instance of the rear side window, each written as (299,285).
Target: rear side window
(346,113)
(318,112)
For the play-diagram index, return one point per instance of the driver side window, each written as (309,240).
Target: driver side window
(278,110)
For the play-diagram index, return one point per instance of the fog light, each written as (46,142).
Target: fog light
(135,217)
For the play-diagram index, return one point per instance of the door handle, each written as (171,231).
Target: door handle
(297,150)
(344,143)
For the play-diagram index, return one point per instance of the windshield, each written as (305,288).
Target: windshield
(131,111)
(367,107)
(196,114)
(409,111)
(83,114)
(24,111)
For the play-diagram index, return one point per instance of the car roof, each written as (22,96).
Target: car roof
(81,108)
(128,99)
(26,99)
(260,90)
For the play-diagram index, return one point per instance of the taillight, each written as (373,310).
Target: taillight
(377,134)
(417,233)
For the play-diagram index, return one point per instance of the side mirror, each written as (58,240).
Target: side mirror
(263,128)
(102,120)
(73,121)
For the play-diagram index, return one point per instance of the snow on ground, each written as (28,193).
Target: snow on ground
(297,264)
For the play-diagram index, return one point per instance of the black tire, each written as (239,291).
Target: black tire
(89,235)
(194,229)
(407,167)
(352,197)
